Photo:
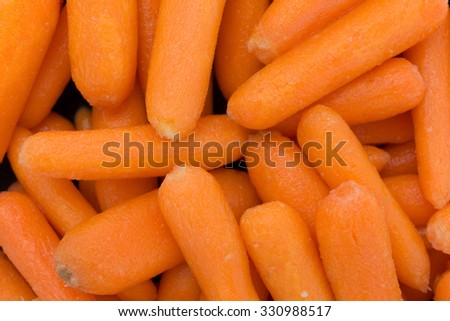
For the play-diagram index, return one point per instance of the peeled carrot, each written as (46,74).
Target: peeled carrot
(27,29)
(354,245)
(287,23)
(233,63)
(178,284)
(279,173)
(208,107)
(178,76)
(52,122)
(131,241)
(13,286)
(403,159)
(238,190)
(16,187)
(83,118)
(23,226)
(203,224)
(48,152)
(438,230)
(431,117)
(339,157)
(407,192)
(62,203)
(258,283)
(309,72)
(144,291)
(147,16)
(442,289)
(103,38)
(377,156)
(284,253)
(52,78)
(395,130)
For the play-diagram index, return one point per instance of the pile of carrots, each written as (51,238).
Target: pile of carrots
(348,200)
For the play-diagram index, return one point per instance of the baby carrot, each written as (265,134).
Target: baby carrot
(287,23)
(23,226)
(62,203)
(309,72)
(354,245)
(233,63)
(438,230)
(284,253)
(208,107)
(16,187)
(339,157)
(403,159)
(442,289)
(238,190)
(144,291)
(52,78)
(131,152)
(377,156)
(27,29)
(83,118)
(203,224)
(431,117)
(103,37)
(131,241)
(178,76)
(52,122)
(178,284)
(13,286)
(395,130)
(278,171)
(147,16)
(407,192)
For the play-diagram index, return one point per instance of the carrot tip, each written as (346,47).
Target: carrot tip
(66,276)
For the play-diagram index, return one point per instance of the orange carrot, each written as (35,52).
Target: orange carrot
(144,291)
(354,245)
(407,192)
(23,226)
(103,38)
(83,118)
(431,117)
(275,234)
(438,230)
(178,76)
(287,23)
(309,72)
(48,152)
(208,107)
(131,241)
(147,16)
(13,286)
(403,160)
(53,77)
(339,157)
(16,187)
(203,224)
(278,172)
(178,284)
(27,29)
(395,130)
(442,290)
(258,283)
(377,156)
(238,190)
(52,122)
(62,203)
(233,63)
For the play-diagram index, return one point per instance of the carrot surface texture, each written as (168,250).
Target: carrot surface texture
(103,38)
(30,242)
(307,73)
(274,234)
(178,284)
(438,230)
(354,245)
(131,241)
(339,157)
(204,226)
(403,159)
(26,32)
(178,76)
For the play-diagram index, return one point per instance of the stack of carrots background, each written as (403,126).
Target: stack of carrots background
(338,187)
